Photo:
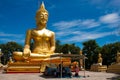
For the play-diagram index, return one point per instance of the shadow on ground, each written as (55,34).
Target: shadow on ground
(51,77)
(114,78)
(46,77)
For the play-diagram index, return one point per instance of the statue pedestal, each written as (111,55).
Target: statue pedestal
(1,65)
(115,68)
(35,66)
(98,68)
(23,67)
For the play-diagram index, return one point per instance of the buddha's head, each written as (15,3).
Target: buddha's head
(99,55)
(118,53)
(42,15)
(80,52)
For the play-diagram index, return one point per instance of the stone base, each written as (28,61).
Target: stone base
(23,67)
(1,65)
(115,68)
(98,68)
(35,66)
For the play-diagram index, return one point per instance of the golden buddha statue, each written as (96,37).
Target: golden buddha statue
(99,67)
(40,56)
(100,59)
(115,67)
(43,39)
(118,57)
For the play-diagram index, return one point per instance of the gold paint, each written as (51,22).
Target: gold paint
(100,59)
(118,57)
(115,67)
(99,67)
(44,46)
(44,39)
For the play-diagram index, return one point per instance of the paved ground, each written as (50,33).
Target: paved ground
(38,76)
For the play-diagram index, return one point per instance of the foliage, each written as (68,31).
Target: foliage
(109,52)
(8,49)
(66,48)
(90,50)
(58,47)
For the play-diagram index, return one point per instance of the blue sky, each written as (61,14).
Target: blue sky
(73,21)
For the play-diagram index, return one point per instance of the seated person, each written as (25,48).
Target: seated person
(68,71)
(76,70)
(43,39)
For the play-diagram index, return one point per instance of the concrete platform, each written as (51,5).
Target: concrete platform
(98,68)
(23,67)
(115,68)
(39,76)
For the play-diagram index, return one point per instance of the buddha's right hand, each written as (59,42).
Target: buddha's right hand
(26,53)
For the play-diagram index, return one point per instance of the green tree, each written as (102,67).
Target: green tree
(66,48)
(109,52)
(70,48)
(91,50)
(8,49)
(58,47)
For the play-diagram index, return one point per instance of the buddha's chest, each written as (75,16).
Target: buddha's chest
(39,35)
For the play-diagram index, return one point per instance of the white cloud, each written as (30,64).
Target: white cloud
(95,35)
(9,40)
(110,18)
(88,23)
(82,30)
(116,32)
(10,35)
(83,36)
(115,3)
(97,1)
(106,4)
(67,24)
(5,37)
(60,34)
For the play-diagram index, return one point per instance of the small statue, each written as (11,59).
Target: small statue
(10,60)
(118,57)
(43,39)
(0,54)
(81,52)
(81,60)
(100,59)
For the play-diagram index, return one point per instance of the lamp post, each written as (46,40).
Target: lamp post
(0,55)
(61,66)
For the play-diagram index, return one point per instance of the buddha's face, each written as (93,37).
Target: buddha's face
(42,18)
